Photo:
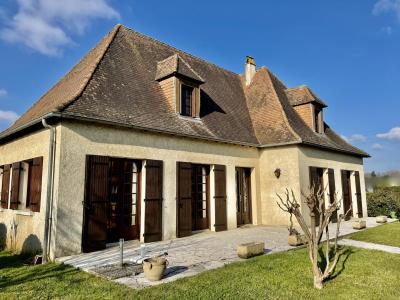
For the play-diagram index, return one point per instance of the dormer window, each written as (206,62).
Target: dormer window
(187,96)
(180,84)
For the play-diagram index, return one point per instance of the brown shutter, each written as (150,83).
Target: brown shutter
(96,203)
(153,201)
(35,184)
(346,188)
(332,191)
(5,186)
(220,198)
(16,172)
(184,203)
(315,184)
(358,194)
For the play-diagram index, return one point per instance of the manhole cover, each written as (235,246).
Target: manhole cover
(115,271)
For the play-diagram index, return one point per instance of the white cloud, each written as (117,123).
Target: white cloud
(392,135)
(377,146)
(8,116)
(46,26)
(387,6)
(354,138)
(3,92)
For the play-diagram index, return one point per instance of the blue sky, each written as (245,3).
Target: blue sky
(346,51)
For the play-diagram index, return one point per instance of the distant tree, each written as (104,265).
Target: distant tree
(373,174)
(323,260)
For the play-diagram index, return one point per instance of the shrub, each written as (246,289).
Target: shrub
(384,201)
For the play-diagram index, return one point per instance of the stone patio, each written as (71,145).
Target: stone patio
(195,254)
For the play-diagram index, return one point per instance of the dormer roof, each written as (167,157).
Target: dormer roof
(176,65)
(303,95)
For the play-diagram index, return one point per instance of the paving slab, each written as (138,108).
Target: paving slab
(371,246)
(194,254)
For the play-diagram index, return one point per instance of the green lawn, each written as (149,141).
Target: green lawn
(388,234)
(361,274)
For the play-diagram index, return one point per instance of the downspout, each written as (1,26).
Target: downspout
(49,195)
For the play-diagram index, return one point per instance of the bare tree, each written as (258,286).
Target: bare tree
(314,199)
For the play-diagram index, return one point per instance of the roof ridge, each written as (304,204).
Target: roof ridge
(179,50)
(112,34)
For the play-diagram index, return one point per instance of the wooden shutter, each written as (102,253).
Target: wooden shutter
(315,184)
(346,194)
(332,191)
(358,194)
(153,201)
(220,198)
(35,184)
(184,203)
(5,186)
(96,203)
(14,198)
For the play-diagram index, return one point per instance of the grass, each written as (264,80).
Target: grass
(361,273)
(388,234)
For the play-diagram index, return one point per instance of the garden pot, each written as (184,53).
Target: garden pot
(296,239)
(154,268)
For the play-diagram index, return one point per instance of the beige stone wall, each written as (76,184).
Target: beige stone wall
(326,159)
(79,140)
(287,160)
(30,225)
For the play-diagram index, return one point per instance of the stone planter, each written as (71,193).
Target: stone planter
(154,268)
(297,239)
(359,224)
(381,219)
(250,249)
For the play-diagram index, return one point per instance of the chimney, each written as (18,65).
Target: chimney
(250,69)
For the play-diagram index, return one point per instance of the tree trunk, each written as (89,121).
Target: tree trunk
(318,282)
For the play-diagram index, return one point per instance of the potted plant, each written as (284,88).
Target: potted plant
(154,268)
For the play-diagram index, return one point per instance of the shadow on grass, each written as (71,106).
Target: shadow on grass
(16,270)
(341,265)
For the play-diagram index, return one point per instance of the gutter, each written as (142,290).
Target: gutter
(49,194)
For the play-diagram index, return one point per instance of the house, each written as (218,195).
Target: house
(143,141)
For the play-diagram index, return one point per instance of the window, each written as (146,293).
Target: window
(318,120)
(187,97)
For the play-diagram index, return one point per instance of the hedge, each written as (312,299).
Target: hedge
(384,201)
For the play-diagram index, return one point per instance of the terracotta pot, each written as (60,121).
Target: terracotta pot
(154,268)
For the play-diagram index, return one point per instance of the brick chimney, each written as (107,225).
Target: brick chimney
(250,69)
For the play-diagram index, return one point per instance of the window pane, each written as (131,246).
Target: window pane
(186,100)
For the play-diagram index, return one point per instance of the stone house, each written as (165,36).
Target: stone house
(143,141)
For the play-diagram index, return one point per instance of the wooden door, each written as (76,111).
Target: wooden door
(332,191)
(243,196)
(200,198)
(153,201)
(358,195)
(96,203)
(220,198)
(184,197)
(317,184)
(347,201)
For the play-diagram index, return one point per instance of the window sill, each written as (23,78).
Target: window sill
(194,119)
(23,213)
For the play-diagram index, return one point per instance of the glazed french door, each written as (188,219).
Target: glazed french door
(243,193)
(200,197)
(112,201)
(347,199)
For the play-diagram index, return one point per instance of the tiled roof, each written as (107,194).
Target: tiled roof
(116,83)
(302,95)
(176,65)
